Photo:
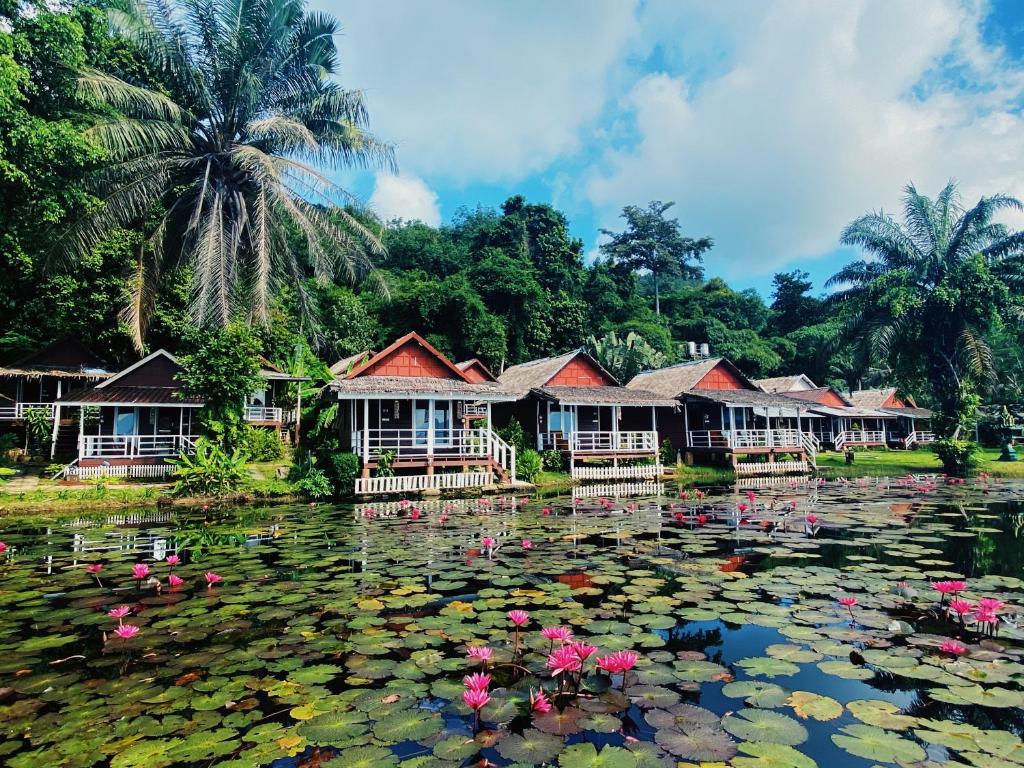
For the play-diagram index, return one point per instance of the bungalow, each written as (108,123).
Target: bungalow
(131,422)
(725,415)
(269,405)
(571,404)
(412,417)
(839,423)
(912,425)
(36,381)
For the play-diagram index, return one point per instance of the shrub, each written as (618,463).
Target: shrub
(212,471)
(513,434)
(528,464)
(384,461)
(38,427)
(261,444)
(958,457)
(553,461)
(341,469)
(315,484)
(667,453)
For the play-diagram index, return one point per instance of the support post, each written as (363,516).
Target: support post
(366,437)
(56,425)
(298,413)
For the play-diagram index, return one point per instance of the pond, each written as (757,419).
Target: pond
(681,630)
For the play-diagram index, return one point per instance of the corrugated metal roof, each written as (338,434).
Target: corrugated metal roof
(130,396)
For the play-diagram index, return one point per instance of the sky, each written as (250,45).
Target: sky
(770,124)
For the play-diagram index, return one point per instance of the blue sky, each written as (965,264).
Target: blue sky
(771,124)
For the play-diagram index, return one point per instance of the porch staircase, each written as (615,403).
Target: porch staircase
(811,447)
(502,456)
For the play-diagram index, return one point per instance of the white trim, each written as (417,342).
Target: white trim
(468,396)
(133,366)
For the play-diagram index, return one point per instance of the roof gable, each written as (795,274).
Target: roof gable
(476,371)
(724,375)
(710,374)
(159,369)
(580,370)
(782,384)
(63,355)
(821,396)
(886,397)
(409,356)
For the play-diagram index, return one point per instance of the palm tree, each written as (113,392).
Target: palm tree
(221,154)
(932,289)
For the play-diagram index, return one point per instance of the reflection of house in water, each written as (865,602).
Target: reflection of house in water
(618,490)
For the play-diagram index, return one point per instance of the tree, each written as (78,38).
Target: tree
(656,244)
(791,307)
(221,151)
(624,357)
(937,284)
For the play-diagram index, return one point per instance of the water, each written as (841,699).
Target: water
(340,631)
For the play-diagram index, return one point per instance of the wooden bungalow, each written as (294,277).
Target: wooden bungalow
(270,408)
(725,415)
(910,425)
(38,380)
(412,416)
(571,404)
(131,422)
(838,423)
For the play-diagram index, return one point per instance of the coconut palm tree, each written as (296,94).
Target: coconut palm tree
(221,155)
(931,290)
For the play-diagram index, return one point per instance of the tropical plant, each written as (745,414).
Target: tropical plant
(38,427)
(528,464)
(625,357)
(384,461)
(315,484)
(211,471)
(653,243)
(260,444)
(936,284)
(221,153)
(342,469)
(553,460)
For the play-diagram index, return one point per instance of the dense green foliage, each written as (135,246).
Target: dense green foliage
(211,471)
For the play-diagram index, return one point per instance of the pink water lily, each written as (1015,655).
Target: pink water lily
(546,511)
(527,544)
(582,649)
(120,612)
(949,587)
(991,604)
(475,700)
(517,617)
(172,560)
(126,631)
(960,607)
(618,662)
(487,542)
(94,567)
(539,702)
(3,547)
(848,603)
(702,519)
(175,581)
(563,634)
(563,659)
(213,578)
(414,514)
(477,681)
(479,653)
(140,570)
(953,647)
(812,519)
(443,518)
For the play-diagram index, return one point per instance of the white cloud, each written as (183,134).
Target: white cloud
(405,197)
(817,113)
(482,91)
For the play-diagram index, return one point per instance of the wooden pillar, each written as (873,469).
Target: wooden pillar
(81,430)
(298,413)
(56,426)
(430,435)
(366,437)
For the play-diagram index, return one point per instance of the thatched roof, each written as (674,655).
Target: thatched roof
(534,374)
(914,413)
(749,398)
(779,384)
(475,362)
(63,359)
(384,387)
(131,396)
(347,364)
(676,379)
(818,395)
(603,396)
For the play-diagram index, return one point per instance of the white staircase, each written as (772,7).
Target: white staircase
(811,446)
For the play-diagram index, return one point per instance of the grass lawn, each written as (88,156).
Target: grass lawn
(895,463)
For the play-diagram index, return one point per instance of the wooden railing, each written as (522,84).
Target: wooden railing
(917,437)
(133,446)
(748,468)
(260,413)
(17,411)
(747,438)
(613,442)
(860,437)
(421,443)
(639,471)
(414,483)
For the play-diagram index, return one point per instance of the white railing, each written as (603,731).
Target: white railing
(417,443)
(122,470)
(640,471)
(923,437)
(747,438)
(811,448)
(748,468)
(260,413)
(503,454)
(617,490)
(16,412)
(474,411)
(860,437)
(613,442)
(133,446)
(414,483)
(824,436)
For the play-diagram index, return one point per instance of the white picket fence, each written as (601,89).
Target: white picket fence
(747,468)
(414,483)
(636,472)
(121,470)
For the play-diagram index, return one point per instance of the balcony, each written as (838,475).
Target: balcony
(613,442)
(739,439)
(16,412)
(260,413)
(423,446)
(134,446)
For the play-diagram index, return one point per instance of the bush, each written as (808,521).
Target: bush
(667,453)
(553,461)
(528,464)
(261,444)
(212,471)
(315,484)
(341,469)
(513,434)
(958,457)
